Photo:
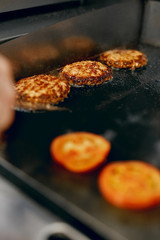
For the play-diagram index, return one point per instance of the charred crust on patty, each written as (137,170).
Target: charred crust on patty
(41,89)
(86,73)
(124,58)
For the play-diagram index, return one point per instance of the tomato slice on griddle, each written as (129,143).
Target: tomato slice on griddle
(130,184)
(80,151)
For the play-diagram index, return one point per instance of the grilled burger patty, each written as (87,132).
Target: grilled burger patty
(41,89)
(124,58)
(86,73)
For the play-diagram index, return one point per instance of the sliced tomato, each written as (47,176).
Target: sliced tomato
(130,184)
(80,151)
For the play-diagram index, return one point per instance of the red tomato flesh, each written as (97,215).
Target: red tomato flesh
(130,184)
(80,151)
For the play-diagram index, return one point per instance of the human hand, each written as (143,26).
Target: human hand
(7,94)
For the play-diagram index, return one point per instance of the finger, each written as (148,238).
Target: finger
(6,117)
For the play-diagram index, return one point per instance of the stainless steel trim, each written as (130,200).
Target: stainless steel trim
(60,228)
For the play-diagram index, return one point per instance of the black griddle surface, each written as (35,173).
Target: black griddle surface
(126,111)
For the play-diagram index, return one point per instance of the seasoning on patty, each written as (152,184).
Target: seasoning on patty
(125,58)
(41,89)
(86,73)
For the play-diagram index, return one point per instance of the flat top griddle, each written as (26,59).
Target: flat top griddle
(125,110)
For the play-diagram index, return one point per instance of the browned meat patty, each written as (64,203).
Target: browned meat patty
(124,58)
(41,89)
(86,73)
